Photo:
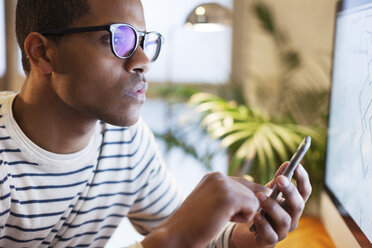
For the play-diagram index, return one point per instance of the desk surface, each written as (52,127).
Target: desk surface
(310,233)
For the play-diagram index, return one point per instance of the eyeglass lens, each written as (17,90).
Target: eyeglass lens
(124,42)
(151,45)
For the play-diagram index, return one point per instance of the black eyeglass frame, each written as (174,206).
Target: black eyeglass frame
(110,28)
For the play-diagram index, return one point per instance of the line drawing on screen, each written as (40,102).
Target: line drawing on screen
(365,106)
(365,99)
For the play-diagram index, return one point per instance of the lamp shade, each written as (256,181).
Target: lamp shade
(209,15)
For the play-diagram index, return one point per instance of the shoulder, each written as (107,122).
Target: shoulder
(6,99)
(7,94)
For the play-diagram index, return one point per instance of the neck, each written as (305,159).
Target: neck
(48,121)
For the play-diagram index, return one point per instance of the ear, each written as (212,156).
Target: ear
(36,46)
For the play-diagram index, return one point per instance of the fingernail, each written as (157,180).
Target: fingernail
(283,181)
(258,217)
(261,196)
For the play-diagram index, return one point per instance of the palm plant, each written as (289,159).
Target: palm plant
(256,143)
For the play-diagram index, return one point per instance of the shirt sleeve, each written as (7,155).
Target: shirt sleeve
(4,195)
(222,239)
(161,196)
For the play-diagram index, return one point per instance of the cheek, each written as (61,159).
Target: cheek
(94,82)
(83,87)
(90,71)
(87,57)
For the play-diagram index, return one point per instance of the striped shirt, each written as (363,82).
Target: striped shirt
(78,199)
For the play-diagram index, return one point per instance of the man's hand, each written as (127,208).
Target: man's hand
(215,201)
(283,214)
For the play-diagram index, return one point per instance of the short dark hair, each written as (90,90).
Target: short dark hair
(39,15)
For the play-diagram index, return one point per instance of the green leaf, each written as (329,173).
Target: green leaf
(211,106)
(247,150)
(267,149)
(235,137)
(291,139)
(213,117)
(202,97)
(251,125)
(277,143)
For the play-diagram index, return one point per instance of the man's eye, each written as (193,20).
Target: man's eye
(106,39)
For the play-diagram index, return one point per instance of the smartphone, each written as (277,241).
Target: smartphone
(289,170)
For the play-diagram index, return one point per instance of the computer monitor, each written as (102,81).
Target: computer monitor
(347,203)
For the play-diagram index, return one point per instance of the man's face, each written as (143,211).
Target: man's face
(90,79)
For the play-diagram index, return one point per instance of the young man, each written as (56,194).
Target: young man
(75,158)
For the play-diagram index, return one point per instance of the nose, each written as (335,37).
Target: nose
(138,62)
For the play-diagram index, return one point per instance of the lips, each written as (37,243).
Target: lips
(138,92)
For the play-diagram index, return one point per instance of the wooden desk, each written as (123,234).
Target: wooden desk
(310,233)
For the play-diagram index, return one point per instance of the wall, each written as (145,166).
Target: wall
(12,79)
(309,26)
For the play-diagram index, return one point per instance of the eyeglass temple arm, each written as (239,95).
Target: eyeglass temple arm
(75,30)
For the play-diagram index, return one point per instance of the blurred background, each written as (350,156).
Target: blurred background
(237,86)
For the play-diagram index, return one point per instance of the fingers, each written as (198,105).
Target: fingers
(248,203)
(265,234)
(280,216)
(281,169)
(253,186)
(277,173)
(275,217)
(294,201)
(234,195)
(303,182)
(283,215)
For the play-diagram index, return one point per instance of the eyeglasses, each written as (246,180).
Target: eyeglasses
(124,39)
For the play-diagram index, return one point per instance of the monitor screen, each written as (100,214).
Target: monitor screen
(349,147)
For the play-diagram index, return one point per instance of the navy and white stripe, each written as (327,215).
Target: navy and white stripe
(77,200)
